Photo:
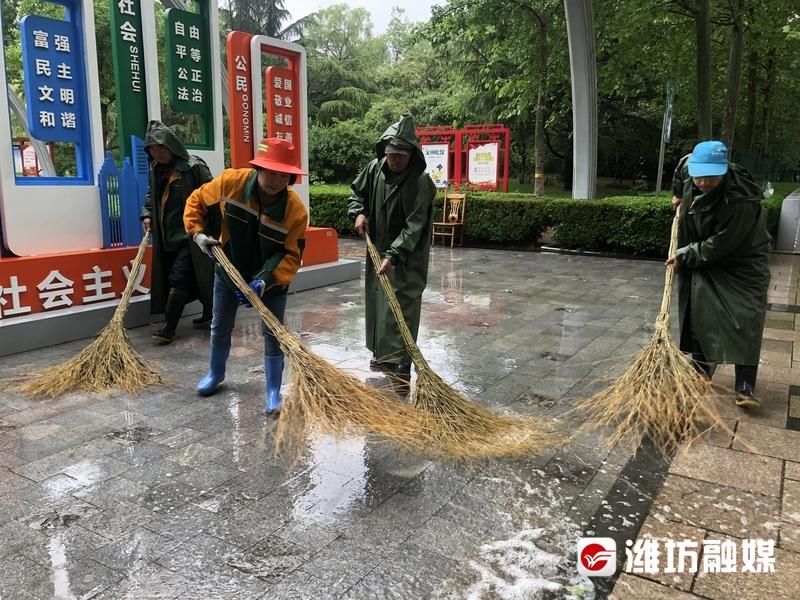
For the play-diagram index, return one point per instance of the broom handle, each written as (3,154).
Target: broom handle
(394,305)
(122,307)
(669,277)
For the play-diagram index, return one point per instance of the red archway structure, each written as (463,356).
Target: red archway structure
(461,141)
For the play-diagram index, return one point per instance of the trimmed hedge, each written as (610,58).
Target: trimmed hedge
(772,213)
(328,204)
(635,225)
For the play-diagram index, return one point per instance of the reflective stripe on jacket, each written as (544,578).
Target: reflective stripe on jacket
(262,243)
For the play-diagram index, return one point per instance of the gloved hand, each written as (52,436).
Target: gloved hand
(257,285)
(206,242)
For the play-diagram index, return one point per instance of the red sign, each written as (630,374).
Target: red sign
(60,281)
(460,141)
(240,95)
(281,101)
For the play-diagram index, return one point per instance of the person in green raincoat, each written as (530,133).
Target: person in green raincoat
(180,271)
(392,200)
(722,264)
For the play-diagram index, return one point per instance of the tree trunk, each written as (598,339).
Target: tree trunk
(539,141)
(752,100)
(766,107)
(734,72)
(703,30)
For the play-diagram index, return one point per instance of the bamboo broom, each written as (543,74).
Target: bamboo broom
(327,398)
(661,396)
(108,362)
(459,427)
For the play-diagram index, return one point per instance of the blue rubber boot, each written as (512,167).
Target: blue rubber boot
(216,370)
(273,370)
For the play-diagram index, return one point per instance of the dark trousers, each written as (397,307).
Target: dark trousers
(180,271)
(225,307)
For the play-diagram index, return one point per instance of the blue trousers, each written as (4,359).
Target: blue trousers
(225,306)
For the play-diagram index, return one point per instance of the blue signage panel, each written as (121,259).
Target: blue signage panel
(55,84)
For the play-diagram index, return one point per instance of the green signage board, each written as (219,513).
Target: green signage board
(188,63)
(127,51)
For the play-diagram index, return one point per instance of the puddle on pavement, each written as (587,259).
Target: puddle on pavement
(554,356)
(533,399)
(51,520)
(58,563)
(132,435)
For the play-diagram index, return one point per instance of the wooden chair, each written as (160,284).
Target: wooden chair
(452,223)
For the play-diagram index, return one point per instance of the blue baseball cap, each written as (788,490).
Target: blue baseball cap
(709,159)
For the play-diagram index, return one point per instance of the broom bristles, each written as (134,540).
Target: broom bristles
(457,426)
(108,362)
(661,396)
(326,398)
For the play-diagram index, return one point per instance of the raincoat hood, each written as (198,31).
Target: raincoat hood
(158,133)
(403,135)
(741,186)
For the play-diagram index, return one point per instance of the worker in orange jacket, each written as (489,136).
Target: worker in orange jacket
(260,222)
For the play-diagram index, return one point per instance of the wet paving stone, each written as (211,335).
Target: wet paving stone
(17,536)
(113,523)
(155,472)
(60,516)
(82,578)
(179,436)
(152,582)
(10,482)
(301,585)
(194,454)
(74,542)
(247,527)
(140,453)
(49,491)
(225,500)
(271,559)
(169,495)
(133,435)
(223,582)
(22,578)
(411,572)
(207,476)
(134,550)
(183,523)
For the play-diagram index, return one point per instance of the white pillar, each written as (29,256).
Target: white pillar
(580,32)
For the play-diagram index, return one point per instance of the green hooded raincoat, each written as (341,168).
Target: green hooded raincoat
(399,222)
(723,251)
(165,211)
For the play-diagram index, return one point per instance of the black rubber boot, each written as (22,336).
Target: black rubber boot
(176,300)
(745,386)
(702,365)
(204,320)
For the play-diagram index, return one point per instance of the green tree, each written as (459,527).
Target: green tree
(507,51)
(342,53)
(338,152)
